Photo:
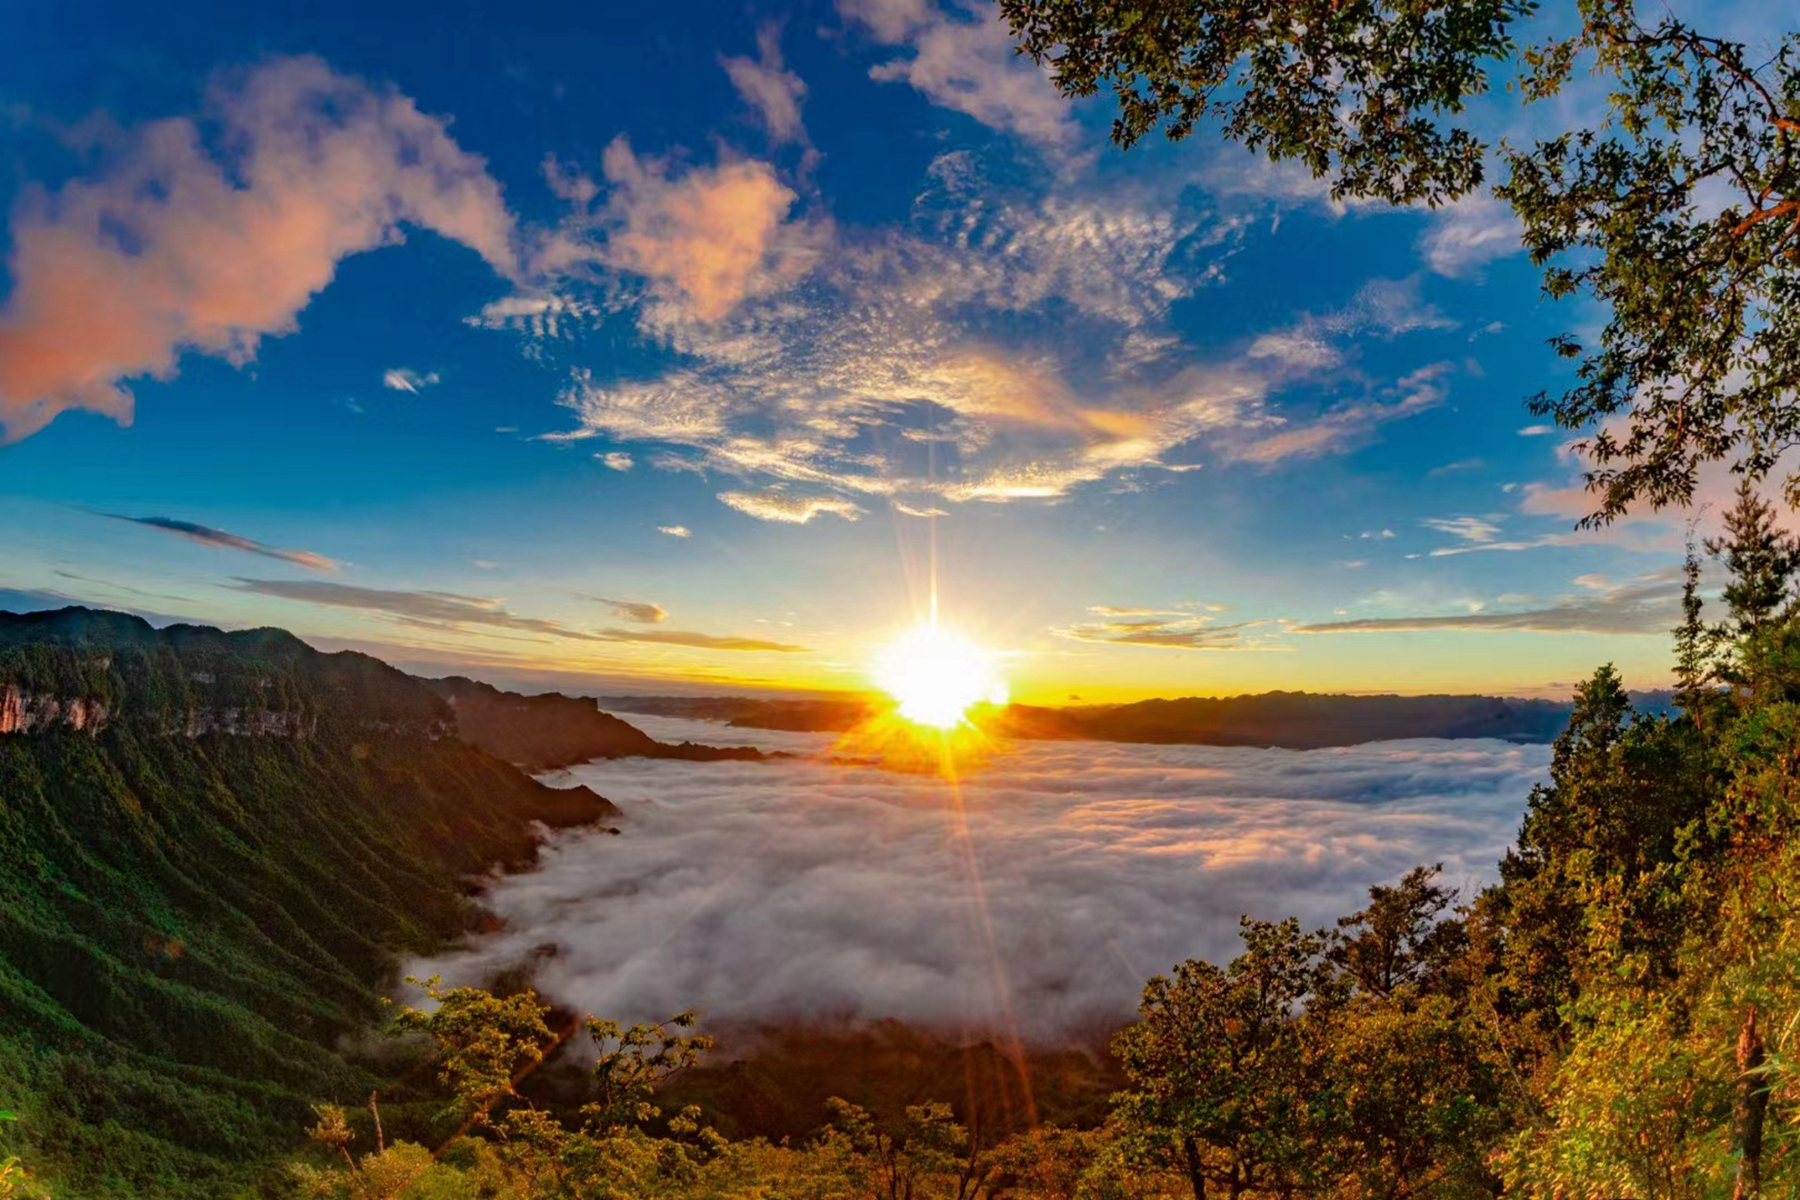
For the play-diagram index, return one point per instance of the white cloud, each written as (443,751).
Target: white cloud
(1047,889)
(405,379)
(839,381)
(1384,308)
(964,59)
(1465,236)
(675,531)
(172,249)
(1387,308)
(1644,606)
(1345,428)
(616,460)
(537,316)
(1001,348)
(1537,430)
(1469,529)
(791,510)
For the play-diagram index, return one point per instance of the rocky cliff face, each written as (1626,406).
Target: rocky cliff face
(22,711)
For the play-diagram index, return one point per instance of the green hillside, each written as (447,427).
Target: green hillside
(191,927)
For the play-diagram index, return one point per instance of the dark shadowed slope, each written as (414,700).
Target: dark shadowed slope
(214,846)
(1293,720)
(541,733)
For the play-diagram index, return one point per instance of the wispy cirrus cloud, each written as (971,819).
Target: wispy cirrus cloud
(641,611)
(1003,346)
(206,535)
(1649,605)
(852,378)
(405,379)
(1350,425)
(1464,237)
(771,90)
(450,610)
(1469,529)
(963,58)
(791,510)
(171,248)
(1167,630)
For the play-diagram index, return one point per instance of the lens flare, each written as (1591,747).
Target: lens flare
(937,676)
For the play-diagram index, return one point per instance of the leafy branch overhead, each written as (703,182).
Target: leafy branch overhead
(1677,207)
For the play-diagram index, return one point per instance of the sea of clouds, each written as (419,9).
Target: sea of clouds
(1033,900)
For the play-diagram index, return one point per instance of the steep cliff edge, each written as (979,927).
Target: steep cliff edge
(215,846)
(541,733)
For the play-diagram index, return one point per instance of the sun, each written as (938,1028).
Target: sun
(937,676)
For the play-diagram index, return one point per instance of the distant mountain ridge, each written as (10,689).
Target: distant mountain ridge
(1288,720)
(541,733)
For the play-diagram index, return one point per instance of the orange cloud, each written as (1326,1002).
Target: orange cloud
(169,249)
(705,235)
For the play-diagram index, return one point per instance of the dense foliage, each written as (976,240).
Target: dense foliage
(1673,201)
(192,929)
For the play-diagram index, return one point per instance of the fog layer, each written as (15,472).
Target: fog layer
(1035,899)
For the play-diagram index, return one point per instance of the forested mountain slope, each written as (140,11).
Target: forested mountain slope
(214,844)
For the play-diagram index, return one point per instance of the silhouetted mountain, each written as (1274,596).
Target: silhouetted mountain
(1292,720)
(544,732)
(753,712)
(215,847)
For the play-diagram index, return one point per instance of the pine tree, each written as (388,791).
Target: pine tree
(1695,670)
(1762,560)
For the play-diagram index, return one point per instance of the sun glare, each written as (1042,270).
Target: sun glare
(937,676)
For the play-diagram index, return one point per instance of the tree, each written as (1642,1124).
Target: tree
(634,1062)
(1762,561)
(1694,642)
(486,1043)
(1219,1062)
(1399,940)
(1678,210)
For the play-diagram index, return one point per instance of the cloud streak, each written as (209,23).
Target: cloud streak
(206,535)
(786,509)
(405,379)
(169,248)
(1652,606)
(448,609)
(1059,879)
(965,60)
(641,611)
(1173,630)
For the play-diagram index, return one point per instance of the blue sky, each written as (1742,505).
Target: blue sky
(653,346)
